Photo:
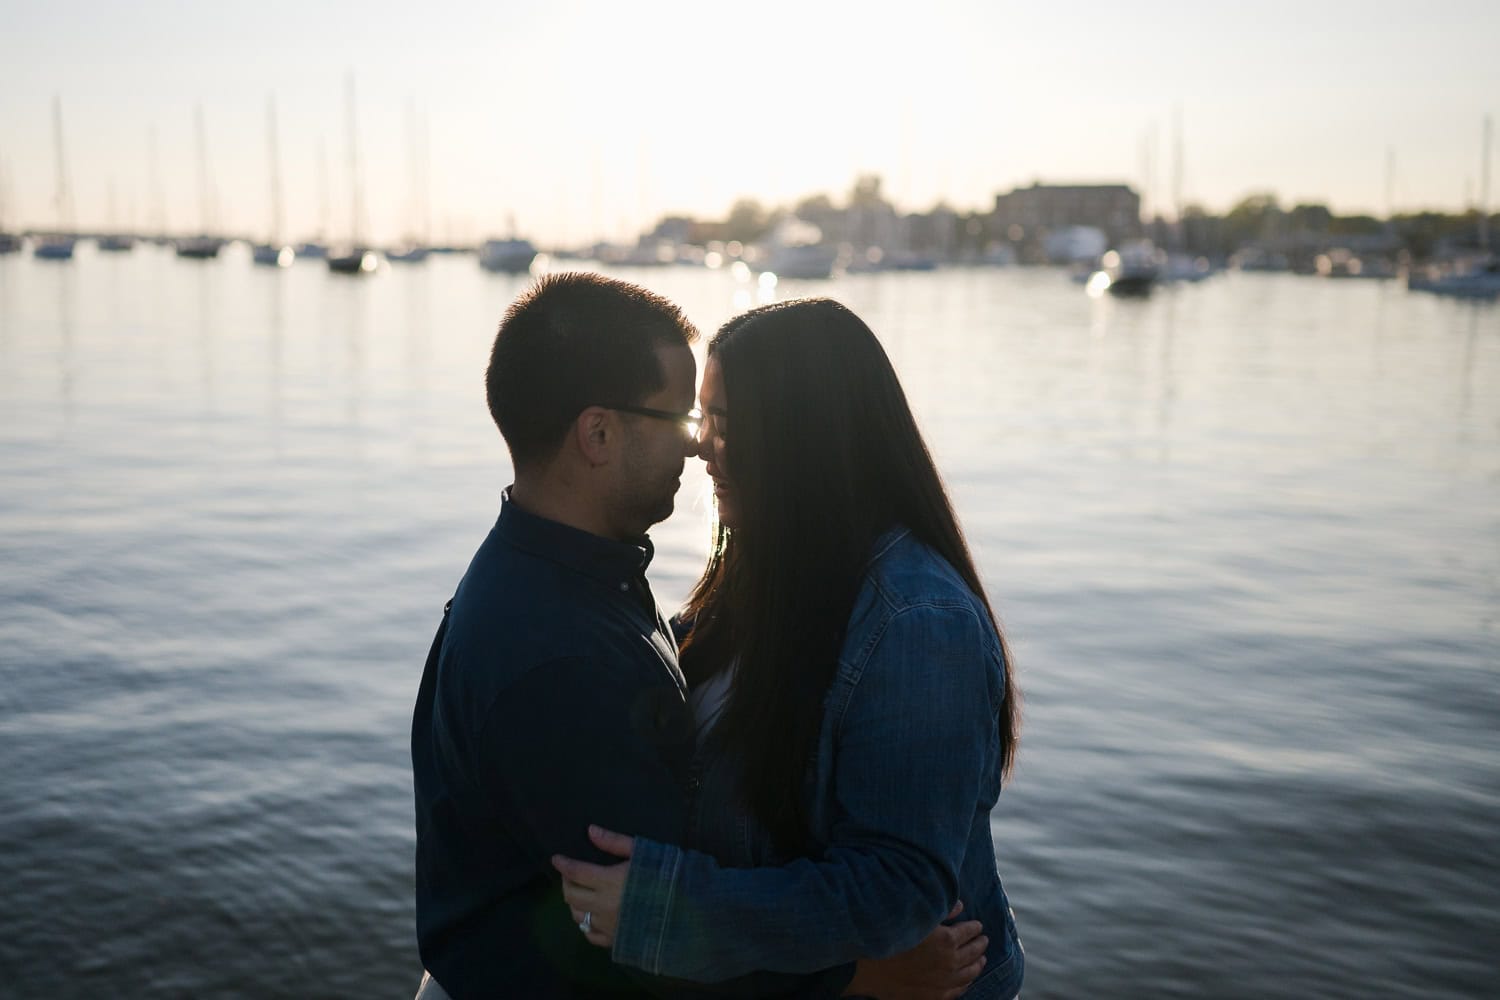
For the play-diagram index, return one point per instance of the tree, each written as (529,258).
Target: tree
(1312,218)
(1255,217)
(748,221)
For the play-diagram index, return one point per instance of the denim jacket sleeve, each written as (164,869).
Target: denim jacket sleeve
(575,744)
(916,748)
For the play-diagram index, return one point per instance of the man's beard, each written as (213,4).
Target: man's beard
(647,502)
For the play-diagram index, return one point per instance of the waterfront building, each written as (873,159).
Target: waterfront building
(1028,214)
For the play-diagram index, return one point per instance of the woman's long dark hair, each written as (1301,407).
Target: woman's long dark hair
(824,455)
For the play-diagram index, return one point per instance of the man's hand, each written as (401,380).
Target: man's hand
(941,967)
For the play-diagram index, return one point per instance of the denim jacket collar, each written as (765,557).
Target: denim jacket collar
(888,538)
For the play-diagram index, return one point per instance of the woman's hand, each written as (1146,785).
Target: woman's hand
(596,891)
(943,965)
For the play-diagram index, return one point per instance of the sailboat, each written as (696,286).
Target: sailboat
(58,245)
(356,258)
(202,246)
(316,249)
(1479,277)
(273,253)
(9,242)
(114,241)
(414,249)
(157,207)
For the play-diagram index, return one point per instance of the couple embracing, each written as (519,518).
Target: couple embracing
(785,789)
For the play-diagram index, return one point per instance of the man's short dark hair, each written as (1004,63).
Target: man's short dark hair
(570,341)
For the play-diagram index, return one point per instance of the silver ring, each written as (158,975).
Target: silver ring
(587,923)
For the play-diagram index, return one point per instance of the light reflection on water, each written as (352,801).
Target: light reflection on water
(1243,535)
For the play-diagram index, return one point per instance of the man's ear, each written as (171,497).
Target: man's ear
(594,432)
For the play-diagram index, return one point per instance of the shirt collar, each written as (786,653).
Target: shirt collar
(609,561)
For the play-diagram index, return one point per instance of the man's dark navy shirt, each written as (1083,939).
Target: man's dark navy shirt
(552,699)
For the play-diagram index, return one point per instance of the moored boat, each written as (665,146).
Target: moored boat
(407,255)
(507,256)
(1132,270)
(272,255)
(1480,280)
(199,247)
(54,248)
(274,252)
(795,249)
(808,261)
(58,246)
(353,261)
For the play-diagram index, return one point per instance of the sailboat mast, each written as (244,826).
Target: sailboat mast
(1390,183)
(64,201)
(203,197)
(158,196)
(275,154)
(1484,188)
(355,201)
(323,192)
(1181,235)
(410,236)
(426,189)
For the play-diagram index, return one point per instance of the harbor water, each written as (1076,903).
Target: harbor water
(1244,535)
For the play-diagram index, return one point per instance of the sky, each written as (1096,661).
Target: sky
(571,121)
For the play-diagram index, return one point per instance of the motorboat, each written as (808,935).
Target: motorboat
(796,250)
(507,256)
(811,261)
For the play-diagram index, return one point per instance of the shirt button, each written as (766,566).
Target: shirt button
(624,587)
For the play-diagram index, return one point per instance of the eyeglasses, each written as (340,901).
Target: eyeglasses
(689,421)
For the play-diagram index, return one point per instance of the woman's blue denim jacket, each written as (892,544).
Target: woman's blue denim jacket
(906,773)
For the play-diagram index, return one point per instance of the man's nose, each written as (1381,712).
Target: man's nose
(702,446)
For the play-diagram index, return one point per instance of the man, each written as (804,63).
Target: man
(552,696)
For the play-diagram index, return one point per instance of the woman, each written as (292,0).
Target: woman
(852,689)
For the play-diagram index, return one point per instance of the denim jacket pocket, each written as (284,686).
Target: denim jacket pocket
(999,982)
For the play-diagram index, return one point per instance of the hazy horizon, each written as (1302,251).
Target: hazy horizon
(583,120)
